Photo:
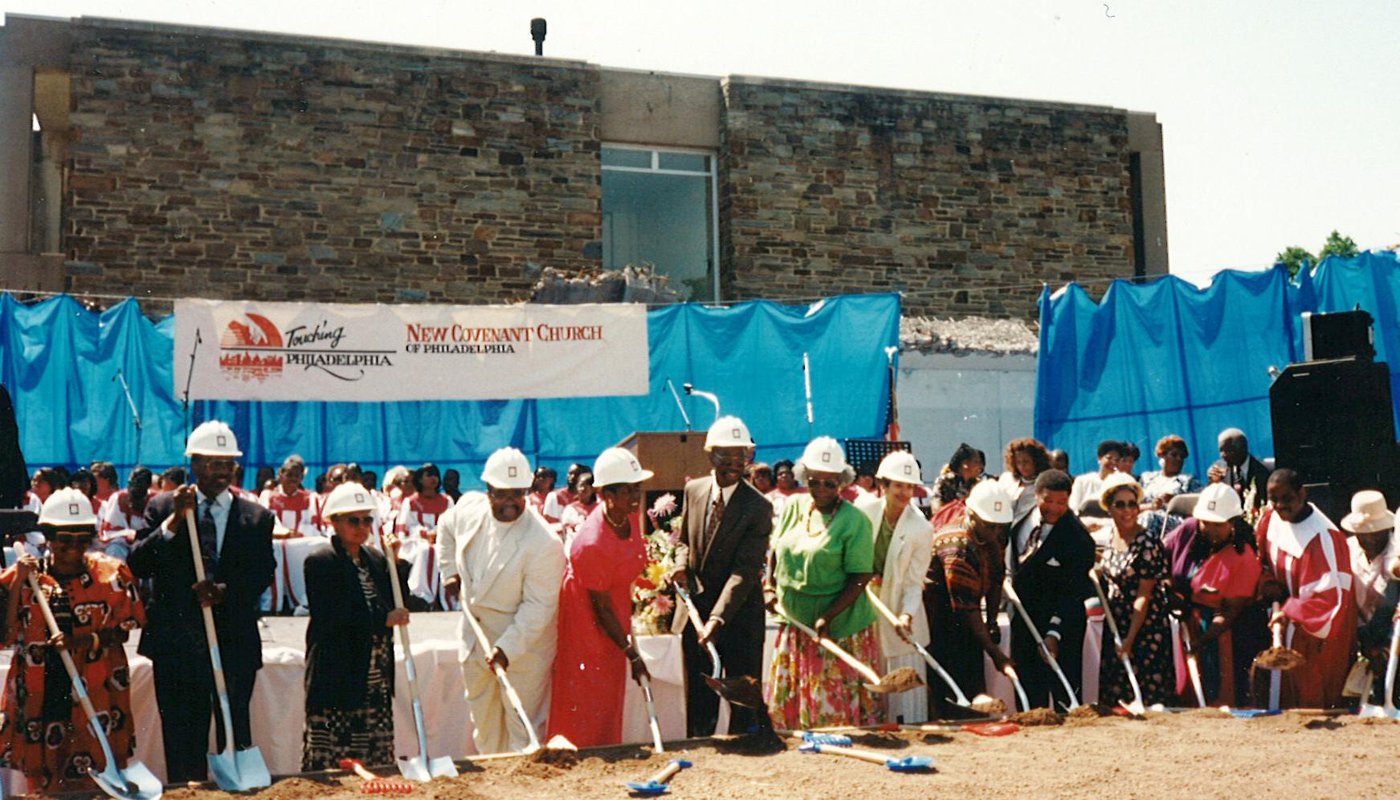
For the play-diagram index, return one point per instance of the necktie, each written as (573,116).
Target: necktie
(208,536)
(716,513)
(1032,541)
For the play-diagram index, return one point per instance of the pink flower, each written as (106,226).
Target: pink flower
(663,604)
(664,506)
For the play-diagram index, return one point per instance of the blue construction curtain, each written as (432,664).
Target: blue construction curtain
(61,364)
(1167,357)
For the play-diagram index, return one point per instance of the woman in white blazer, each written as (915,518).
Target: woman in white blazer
(903,549)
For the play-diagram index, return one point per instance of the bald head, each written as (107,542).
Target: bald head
(1234,447)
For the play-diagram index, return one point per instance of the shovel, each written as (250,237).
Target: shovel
(234,770)
(901,680)
(416,768)
(1278,660)
(1390,667)
(506,686)
(741,691)
(656,745)
(1010,672)
(1015,600)
(656,784)
(136,781)
(373,784)
(1136,707)
(905,764)
(988,706)
(1193,667)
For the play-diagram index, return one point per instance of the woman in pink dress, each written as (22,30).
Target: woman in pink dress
(607,555)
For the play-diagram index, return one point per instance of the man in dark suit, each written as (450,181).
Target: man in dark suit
(1048,559)
(236,543)
(1238,468)
(725,524)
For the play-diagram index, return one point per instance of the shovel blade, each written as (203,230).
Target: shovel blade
(415,769)
(743,691)
(136,782)
(240,771)
(442,767)
(910,764)
(648,788)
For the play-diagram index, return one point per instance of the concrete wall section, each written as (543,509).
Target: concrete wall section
(1145,138)
(945,400)
(660,109)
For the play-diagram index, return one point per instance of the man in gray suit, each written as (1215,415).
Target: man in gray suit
(723,545)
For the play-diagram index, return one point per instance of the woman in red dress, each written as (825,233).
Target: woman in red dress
(595,609)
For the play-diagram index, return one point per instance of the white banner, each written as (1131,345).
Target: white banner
(373,353)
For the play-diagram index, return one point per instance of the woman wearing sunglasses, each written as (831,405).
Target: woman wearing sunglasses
(349,642)
(823,554)
(1135,578)
(93,597)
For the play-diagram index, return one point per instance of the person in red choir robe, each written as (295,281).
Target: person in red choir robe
(1307,570)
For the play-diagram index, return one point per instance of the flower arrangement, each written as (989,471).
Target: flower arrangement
(653,599)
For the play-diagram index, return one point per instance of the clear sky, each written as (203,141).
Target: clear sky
(1281,118)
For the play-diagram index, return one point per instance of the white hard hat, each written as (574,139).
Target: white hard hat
(348,497)
(617,465)
(990,502)
(507,468)
(68,508)
(823,454)
(212,438)
(728,432)
(901,466)
(1218,502)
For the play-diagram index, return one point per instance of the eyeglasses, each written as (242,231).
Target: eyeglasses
(506,494)
(1121,504)
(824,483)
(365,521)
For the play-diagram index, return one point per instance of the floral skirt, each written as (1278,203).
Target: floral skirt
(809,687)
(365,733)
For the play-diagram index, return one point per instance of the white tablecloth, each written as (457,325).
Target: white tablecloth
(999,686)
(279,698)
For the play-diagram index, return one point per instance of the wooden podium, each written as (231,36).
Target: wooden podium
(675,457)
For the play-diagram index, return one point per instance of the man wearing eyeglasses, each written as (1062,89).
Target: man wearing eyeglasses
(500,558)
(725,527)
(235,541)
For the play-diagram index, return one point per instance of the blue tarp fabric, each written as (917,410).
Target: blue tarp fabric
(1167,357)
(60,363)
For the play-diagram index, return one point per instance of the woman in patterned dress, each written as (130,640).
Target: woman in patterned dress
(1135,578)
(822,556)
(93,596)
(349,639)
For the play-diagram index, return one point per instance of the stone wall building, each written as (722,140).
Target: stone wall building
(177,161)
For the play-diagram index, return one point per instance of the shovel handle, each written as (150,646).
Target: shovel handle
(1390,669)
(667,772)
(888,614)
(651,716)
(211,635)
(1277,628)
(79,687)
(695,621)
(359,769)
(854,663)
(1117,639)
(511,694)
(1010,672)
(849,752)
(1015,600)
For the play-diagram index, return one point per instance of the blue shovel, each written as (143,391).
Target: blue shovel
(905,764)
(656,784)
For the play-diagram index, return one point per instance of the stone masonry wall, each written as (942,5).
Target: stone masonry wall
(966,204)
(262,167)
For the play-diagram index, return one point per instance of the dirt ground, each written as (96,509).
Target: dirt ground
(1197,754)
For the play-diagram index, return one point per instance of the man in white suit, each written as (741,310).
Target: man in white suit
(902,555)
(503,563)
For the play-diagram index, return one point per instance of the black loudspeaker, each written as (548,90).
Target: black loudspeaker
(1342,334)
(1333,423)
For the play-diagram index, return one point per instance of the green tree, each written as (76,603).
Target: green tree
(1294,258)
(1337,245)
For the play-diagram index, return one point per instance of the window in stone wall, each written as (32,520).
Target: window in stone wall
(659,208)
